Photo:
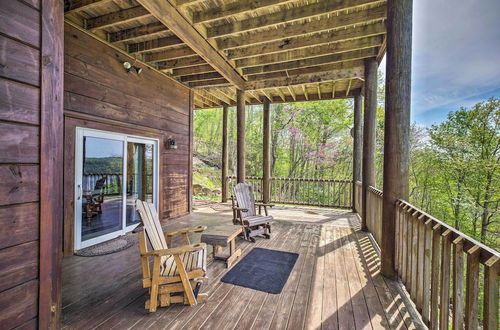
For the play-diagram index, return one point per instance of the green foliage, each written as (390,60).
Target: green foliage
(454,166)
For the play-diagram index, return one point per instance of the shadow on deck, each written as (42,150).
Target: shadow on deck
(335,283)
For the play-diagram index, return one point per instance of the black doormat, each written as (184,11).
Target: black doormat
(115,245)
(262,269)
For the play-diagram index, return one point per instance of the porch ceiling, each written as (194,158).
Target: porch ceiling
(285,50)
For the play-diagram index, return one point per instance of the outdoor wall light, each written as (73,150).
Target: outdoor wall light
(129,67)
(171,144)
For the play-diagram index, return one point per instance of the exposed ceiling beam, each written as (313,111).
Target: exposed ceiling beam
(288,31)
(169,54)
(309,40)
(166,13)
(306,70)
(192,70)
(285,16)
(304,89)
(233,8)
(212,82)
(313,61)
(117,17)
(313,51)
(187,2)
(183,62)
(79,5)
(154,45)
(142,31)
(319,91)
(331,75)
(200,77)
(292,92)
(348,88)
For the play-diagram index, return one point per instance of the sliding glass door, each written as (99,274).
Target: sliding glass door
(112,172)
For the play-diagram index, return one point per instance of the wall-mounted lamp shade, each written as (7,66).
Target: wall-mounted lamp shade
(170,144)
(127,65)
(137,69)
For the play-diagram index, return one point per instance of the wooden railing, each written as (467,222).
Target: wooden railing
(303,191)
(374,212)
(112,186)
(452,278)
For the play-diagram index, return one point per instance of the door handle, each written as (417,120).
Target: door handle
(79,192)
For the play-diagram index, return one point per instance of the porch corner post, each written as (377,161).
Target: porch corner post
(266,150)
(369,134)
(357,146)
(240,143)
(397,124)
(225,152)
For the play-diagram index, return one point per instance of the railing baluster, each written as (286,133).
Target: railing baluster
(414,257)
(426,304)
(458,284)
(420,265)
(490,312)
(436,256)
(445,280)
(472,293)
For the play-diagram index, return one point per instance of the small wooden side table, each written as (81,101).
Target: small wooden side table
(220,237)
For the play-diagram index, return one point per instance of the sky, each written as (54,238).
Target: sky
(456,56)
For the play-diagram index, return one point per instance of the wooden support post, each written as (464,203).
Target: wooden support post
(266,149)
(240,127)
(225,151)
(369,134)
(357,146)
(397,123)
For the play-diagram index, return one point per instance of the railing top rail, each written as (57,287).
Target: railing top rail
(487,255)
(375,191)
(293,179)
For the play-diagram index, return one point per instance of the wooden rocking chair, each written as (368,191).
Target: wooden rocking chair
(177,272)
(244,213)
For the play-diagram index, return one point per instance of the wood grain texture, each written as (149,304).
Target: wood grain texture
(18,264)
(19,143)
(19,184)
(19,102)
(20,21)
(51,163)
(22,221)
(25,307)
(19,61)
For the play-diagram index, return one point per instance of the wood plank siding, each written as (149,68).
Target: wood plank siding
(100,94)
(30,48)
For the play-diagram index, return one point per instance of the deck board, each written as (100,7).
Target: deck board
(335,284)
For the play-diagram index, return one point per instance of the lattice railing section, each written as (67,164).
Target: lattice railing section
(303,191)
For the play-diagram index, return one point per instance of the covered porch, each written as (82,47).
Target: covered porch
(336,282)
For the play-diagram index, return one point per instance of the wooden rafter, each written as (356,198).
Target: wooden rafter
(115,18)
(227,92)
(166,13)
(292,92)
(304,89)
(211,82)
(288,31)
(319,91)
(204,68)
(338,74)
(201,77)
(306,70)
(334,58)
(233,8)
(154,45)
(284,16)
(348,88)
(333,89)
(312,51)
(142,31)
(169,54)
(183,62)
(79,5)
(281,94)
(310,40)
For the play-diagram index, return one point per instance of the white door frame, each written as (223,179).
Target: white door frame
(78,193)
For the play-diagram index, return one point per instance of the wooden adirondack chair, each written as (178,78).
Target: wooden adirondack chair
(244,213)
(177,272)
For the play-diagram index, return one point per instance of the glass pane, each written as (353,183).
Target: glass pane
(102,201)
(139,177)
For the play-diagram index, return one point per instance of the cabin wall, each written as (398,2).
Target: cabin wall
(22,143)
(100,94)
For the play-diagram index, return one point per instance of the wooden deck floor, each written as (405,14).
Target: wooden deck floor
(335,283)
